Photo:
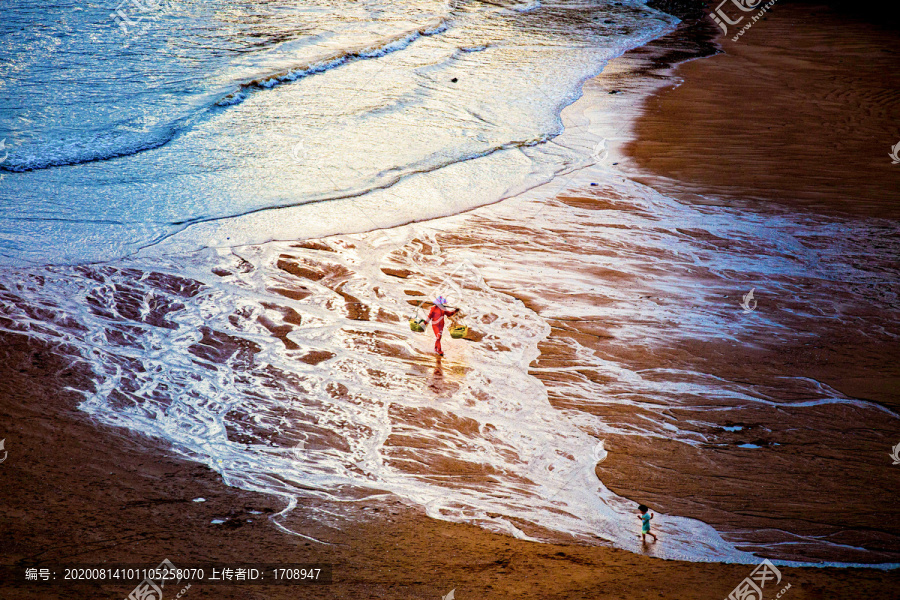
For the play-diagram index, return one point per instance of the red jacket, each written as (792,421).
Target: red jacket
(436,315)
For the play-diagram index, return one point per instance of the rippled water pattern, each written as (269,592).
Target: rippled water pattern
(290,369)
(202,110)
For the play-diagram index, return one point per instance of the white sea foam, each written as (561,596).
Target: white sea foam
(126,152)
(191,358)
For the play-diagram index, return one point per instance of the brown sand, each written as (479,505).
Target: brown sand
(801,110)
(800,113)
(76,492)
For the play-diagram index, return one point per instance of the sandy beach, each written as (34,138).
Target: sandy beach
(82,494)
(754,142)
(805,120)
(790,477)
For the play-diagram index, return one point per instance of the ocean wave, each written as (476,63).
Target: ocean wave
(104,145)
(383,48)
(112,143)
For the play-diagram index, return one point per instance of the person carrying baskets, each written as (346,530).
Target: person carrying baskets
(436,318)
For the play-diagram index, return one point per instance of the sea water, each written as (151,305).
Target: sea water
(125,124)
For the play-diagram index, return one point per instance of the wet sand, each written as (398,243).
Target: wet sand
(800,110)
(77,492)
(797,115)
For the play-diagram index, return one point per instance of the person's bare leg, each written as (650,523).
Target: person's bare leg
(437,341)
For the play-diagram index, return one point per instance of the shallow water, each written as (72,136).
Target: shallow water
(289,368)
(121,135)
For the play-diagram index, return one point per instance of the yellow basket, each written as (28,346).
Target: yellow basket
(417,325)
(458,331)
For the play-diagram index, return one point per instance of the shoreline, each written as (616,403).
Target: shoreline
(690,141)
(700,482)
(150,514)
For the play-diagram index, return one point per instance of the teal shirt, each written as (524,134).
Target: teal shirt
(645,522)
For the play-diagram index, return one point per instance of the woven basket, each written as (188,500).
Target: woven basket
(417,325)
(458,331)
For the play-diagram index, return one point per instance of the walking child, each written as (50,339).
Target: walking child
(645,517)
